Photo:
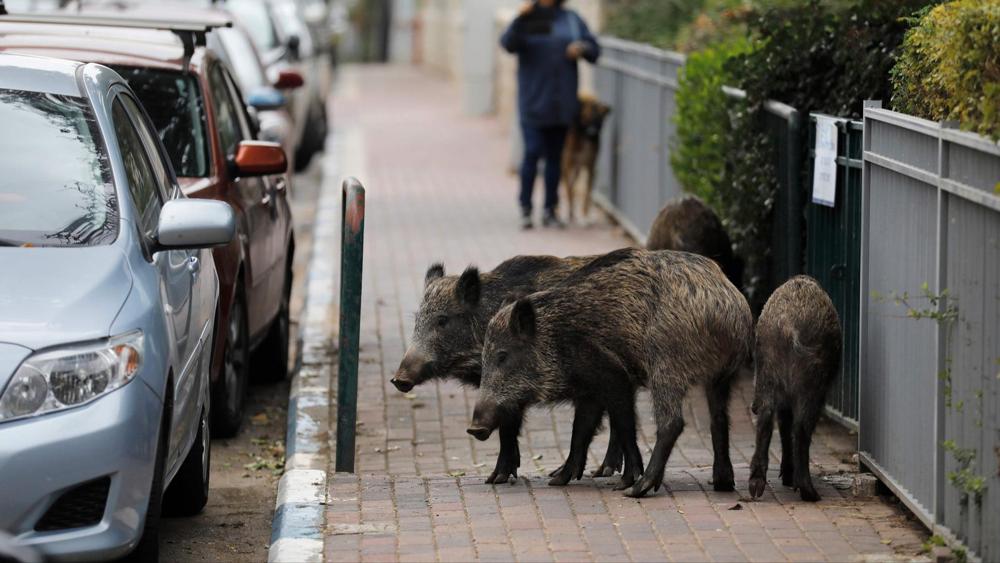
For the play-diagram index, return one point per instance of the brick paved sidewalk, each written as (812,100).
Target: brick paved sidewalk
(438,191)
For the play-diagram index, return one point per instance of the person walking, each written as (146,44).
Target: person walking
(548,41)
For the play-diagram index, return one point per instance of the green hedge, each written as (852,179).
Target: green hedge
(949,67)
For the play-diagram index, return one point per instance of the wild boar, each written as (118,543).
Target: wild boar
(796,356)
(688,224)
(450,325)
(664,320)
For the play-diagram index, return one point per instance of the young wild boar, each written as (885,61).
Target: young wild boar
(450,325)
(688,224)
(797,357)
(665,320)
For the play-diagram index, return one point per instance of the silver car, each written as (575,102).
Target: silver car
(107,303)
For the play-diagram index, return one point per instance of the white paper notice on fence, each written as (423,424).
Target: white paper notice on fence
(825,163)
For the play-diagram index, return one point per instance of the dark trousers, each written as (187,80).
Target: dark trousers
(539,143)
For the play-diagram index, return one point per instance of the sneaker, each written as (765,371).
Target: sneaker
(526,221)
(552,220)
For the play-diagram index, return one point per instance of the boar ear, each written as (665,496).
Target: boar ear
(522,319)
(468,286)
(434,272)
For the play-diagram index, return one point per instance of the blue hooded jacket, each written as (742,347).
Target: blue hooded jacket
(547,80)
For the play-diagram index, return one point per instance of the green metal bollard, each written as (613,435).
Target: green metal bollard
(352,233)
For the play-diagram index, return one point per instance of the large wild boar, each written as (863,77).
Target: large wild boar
(688,224)
(664,320)
(450,325)
(796,357)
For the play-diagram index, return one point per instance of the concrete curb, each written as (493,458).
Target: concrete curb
(297,529)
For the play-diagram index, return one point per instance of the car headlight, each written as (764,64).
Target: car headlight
(71,376)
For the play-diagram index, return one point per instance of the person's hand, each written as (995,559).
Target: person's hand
(526,8)
(575,50)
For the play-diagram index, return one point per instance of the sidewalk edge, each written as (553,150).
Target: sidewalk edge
(299,516)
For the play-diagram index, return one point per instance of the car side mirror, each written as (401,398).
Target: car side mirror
(266,98)
(194,223)
(289,79)
(259,158)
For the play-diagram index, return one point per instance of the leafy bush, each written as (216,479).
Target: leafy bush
(719,21)
(824,56)
(701,147)
(949,67)
(656,22)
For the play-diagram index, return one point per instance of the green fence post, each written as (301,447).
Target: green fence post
(352,233)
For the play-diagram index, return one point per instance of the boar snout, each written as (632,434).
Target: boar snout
(484,420)
(412,371)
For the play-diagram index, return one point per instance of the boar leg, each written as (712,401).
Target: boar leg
(667,407)
(612,459)
(805,423)
(590,188)
(787,473)
(585,422)
(717,392)
(622,417)
(758,467)
(510,454)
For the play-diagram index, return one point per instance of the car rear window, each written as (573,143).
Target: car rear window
(56,187)
(174,103)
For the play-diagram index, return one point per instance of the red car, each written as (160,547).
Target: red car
(200,115)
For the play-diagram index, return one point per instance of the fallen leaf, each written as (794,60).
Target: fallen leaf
(886,542)
(456,473)
(259,418)
(536,457)
(410,396)
(736,506)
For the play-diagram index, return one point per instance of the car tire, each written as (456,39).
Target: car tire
(148,548)
(271,357)
(229,392)
(314,137)
(188,492)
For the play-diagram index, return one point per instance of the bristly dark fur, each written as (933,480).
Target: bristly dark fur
(450,325)
(665,320)
(688,224)
(797,355)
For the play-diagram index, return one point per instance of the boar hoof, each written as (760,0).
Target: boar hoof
(809,494)
(757,485)
(787,477)
(499,477)
(625,482)
(557,470)
(560,480)
(722,482)
(640,489)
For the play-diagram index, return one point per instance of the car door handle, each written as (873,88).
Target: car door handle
(193,264)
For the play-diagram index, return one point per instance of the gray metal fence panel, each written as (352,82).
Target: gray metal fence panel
(932,226)
(635,179)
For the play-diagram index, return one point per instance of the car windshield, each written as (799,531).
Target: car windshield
(174,103)
(254,16)
(55,188)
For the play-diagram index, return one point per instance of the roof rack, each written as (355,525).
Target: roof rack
(190,32)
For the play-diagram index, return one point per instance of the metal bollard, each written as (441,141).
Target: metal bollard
(352,238)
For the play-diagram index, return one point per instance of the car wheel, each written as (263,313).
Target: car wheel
(313,139)
(271,361)
(188,492)
(148,549)
(231,389)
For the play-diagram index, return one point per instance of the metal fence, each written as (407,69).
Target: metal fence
(833,257)
(634,176)
(930,323)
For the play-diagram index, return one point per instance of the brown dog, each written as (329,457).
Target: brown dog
(582,144)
